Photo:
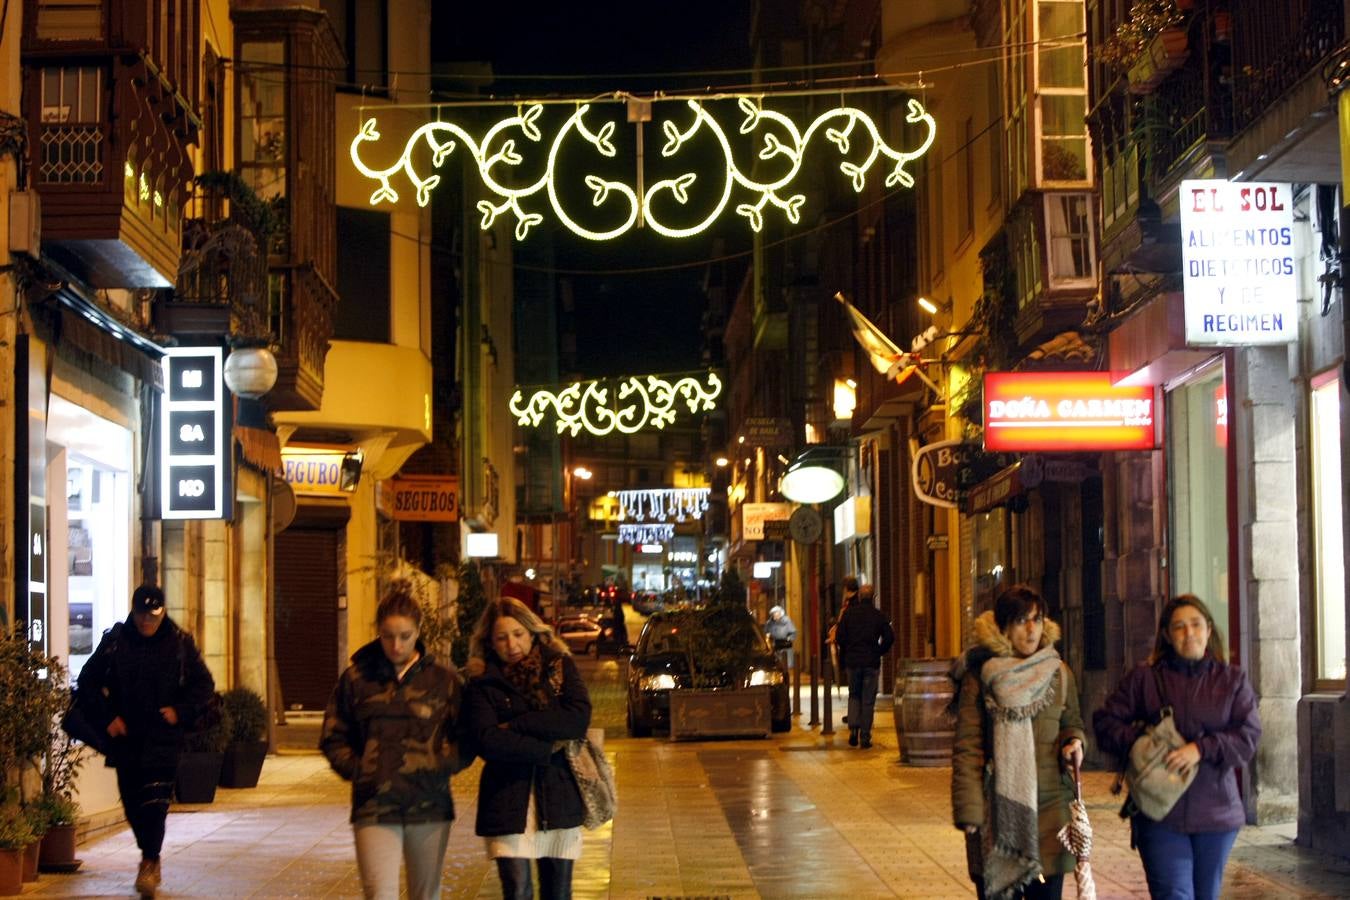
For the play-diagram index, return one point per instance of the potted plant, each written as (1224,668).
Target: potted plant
(245,748)
(203,757)
(16,833)
(1148,45)
(57,802)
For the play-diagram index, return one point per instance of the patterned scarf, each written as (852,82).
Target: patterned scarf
(1015,690)
(527,676)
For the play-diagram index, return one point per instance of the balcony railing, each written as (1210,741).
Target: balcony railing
(1187,109)
(1276,45)
(301,304)
(222,283)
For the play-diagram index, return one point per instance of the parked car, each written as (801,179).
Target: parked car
(661,660)
(579,632)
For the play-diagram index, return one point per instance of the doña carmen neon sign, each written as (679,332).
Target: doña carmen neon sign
(586,404)
(782,139)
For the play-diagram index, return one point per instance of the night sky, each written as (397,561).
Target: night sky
(627,322)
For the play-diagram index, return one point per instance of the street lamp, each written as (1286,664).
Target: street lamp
(583,473)
(815,476)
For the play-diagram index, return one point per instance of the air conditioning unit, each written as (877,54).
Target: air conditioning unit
(25,223)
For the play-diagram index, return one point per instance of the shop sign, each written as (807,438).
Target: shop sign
(314,469)
(423,498)
(766,431)
(195,471)
(994,491)
(1237,251)
(754,515)
(934,471)
(853,519)
(1067,411)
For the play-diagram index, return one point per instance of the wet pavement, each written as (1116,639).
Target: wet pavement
(794,816)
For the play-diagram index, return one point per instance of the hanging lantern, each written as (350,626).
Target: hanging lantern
(250,371)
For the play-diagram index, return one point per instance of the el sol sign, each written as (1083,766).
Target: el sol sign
(1068,411)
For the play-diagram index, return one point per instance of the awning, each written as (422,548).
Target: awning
(76,322)
(995,490)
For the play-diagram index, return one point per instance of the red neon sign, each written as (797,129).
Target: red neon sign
(1067,411)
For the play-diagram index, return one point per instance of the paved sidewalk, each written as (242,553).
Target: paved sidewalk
(796,816)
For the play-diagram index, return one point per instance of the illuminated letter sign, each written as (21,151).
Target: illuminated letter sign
(194,471)
(1237,250)
(314,469)
(777,143)
(641,401)
(1067,411)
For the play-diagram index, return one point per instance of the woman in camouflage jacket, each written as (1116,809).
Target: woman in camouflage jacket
(389,729)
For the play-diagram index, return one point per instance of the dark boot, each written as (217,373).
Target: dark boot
(555,878)
(866,740)
(514,873)
(853,737)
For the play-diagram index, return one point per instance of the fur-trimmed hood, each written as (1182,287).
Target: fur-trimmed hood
(988,635)
(990,641)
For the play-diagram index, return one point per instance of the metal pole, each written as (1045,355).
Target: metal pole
(815,641)
(829,678)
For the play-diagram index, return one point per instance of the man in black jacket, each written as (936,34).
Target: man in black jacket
(863,636)
(143,685)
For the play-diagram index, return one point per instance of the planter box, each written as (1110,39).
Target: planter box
(243,765)
(746,712)
(198,776)
(1164,55)
(57,852)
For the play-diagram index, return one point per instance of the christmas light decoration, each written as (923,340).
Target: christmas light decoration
(498,157)
(663,503)
(646,534)
(651,400)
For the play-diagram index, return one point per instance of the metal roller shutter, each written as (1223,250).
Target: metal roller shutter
(307,615)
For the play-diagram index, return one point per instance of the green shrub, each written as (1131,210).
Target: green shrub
(247,715)
(213,738)
(52,810)
(16,828)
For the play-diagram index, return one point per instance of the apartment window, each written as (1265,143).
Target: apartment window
(1026,259)
(69,20)
(1069,229)
(363,309)
(965,164)
(262,132)
(1015,34)
(1328,561)
(362,26)
(71,134)
(1061,87)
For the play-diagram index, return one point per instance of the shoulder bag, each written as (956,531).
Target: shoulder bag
(77,720)
(1153,790)
(595,780)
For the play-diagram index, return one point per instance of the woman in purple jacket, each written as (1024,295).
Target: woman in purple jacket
(1214,707)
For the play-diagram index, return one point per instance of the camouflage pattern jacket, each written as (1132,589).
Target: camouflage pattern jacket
(395,740)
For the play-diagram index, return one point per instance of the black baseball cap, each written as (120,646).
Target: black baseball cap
(148,599)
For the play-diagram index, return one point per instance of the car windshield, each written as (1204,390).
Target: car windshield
(665,635)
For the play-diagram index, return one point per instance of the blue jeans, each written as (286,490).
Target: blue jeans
(1182,866)
(862,699)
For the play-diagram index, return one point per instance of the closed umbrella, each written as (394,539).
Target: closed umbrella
(1076,837)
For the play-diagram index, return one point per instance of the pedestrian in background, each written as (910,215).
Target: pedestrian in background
(390,729)
(782,632)
(1214,708)
(145,684)
(1018,720)
(863,635)
(524,701)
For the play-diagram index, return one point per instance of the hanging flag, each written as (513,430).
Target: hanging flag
(885,355)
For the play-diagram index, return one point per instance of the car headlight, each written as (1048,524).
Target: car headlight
(662,682)
(765,676)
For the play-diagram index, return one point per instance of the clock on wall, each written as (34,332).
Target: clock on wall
(805,525)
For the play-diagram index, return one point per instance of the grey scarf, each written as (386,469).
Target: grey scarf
(1015,690)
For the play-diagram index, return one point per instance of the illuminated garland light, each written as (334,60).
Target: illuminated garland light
(840,126)
(646,534)
(663,503)
(587,404)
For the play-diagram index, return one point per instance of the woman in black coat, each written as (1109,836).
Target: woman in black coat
(524,701)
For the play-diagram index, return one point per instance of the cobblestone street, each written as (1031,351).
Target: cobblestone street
(794,816)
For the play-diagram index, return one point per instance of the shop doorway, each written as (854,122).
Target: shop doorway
(307,615)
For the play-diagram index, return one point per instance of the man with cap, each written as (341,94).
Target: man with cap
(781,632)
(145,684)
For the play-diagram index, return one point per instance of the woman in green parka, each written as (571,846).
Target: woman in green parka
(1018,728)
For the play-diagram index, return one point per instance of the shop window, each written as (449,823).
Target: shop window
(1198,472)
(1329,562)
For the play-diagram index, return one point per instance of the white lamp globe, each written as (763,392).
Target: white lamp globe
(250,372)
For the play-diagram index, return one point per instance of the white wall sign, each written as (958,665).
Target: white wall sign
(754,515)
(1237,249)
(194,467)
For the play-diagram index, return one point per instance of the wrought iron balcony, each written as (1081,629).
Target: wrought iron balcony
(222,283)
(1277,45)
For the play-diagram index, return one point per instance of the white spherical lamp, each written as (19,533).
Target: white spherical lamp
(250,371)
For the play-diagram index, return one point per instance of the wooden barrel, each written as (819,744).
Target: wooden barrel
(924,726)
